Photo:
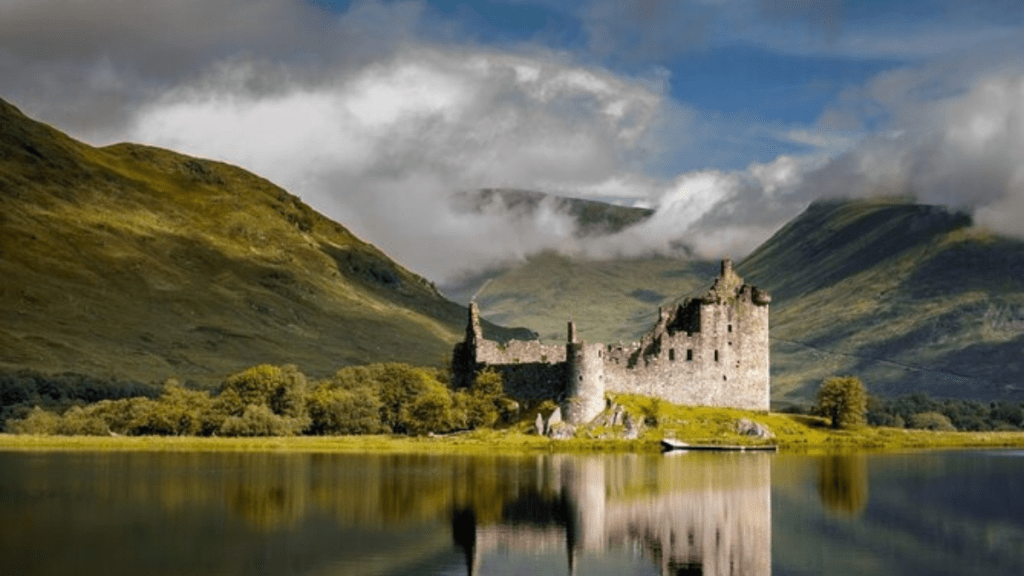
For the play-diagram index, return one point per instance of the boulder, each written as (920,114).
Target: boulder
(561,431)
(748,427)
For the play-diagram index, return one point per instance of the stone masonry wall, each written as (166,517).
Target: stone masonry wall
(724,364)
(709,351)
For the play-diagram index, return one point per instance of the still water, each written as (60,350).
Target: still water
(715,514)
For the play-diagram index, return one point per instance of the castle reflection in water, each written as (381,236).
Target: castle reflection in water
(690,514)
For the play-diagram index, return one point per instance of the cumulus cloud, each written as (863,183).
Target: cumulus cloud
(960,150)
(377,115)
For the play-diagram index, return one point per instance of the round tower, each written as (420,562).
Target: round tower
(584,391)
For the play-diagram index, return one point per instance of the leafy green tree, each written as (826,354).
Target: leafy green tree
(260,420)
(280,390)
(431,411)
(335,410)
(931,421)
(400,385)
(485,399)
(843,400)
(37,421)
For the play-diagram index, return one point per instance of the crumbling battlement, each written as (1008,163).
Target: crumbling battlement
(707,351)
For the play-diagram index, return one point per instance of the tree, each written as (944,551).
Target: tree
(264,399)
(932,421)
(843,400)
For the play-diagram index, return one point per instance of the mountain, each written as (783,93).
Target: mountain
(909,297)
(140,263)
(609,300)
(592,217)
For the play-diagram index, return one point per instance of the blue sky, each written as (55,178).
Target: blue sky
(727,116)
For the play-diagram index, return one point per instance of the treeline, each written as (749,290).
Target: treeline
(271,400)
(919,410)
(22,389)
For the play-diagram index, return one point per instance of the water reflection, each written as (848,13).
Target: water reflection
(690,514)
(245,513)
(843,483)
(926,514)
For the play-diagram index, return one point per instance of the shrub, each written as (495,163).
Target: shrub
(483,404)
(260,420)
(335,410)
(399,386)
(843,400)
(931,421)
(431,411)
(79,421)
(37,421)
(282,389)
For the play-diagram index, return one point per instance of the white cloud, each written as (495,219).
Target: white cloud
(381,147)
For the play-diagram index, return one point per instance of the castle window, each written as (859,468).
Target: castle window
(672,354)
(730,327)
(716,355)
(724,378)
(689,355)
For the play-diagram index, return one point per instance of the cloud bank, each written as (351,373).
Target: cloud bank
(376,115)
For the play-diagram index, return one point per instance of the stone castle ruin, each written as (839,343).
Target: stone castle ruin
(707,351)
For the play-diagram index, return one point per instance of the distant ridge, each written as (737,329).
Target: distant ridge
(136,262)
(592,217)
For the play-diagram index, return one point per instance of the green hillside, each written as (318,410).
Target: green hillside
(909,297)
(610,300)
(135,262)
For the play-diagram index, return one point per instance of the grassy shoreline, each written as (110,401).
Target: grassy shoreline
(793,434)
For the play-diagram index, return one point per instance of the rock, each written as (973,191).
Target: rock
(561,431)
(509,411)
(554,418)
(633,428)
(617,415)
(539,425)
(748,427)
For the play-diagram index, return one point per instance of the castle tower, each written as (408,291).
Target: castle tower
(584,390)
(474,333)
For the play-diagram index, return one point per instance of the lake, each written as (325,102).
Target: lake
(686,514)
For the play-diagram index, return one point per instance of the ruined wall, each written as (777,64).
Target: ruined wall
(709,351)
(725,363)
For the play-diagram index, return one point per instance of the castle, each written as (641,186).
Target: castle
(707,351)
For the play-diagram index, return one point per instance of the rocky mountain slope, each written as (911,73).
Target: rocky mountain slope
(140,263)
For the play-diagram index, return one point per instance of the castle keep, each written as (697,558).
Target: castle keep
(707,351)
